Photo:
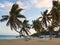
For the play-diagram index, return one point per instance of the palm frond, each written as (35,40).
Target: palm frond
(8,22)
(55,3)
(25,22)
(11,26)
(21,16)
(14,8)
(4,19)
(28,31)
(21,30)
(25,31)
(44,21)
(39,18)
(37,26)
(18,22)
(44,13)
(18,10)
(5,16)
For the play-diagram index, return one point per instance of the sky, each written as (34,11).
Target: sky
(32,10)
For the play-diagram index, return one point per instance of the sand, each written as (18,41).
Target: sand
(55,41)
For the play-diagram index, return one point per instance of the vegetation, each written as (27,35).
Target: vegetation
(25,28)
(40,25)
(13,18)
(53,18)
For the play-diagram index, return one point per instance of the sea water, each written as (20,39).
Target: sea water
(7,37)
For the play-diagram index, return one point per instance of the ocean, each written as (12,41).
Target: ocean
(7,37)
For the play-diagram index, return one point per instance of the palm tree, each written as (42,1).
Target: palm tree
(13,20)
(37,26)
(55,13)
(45,18)
(25,27)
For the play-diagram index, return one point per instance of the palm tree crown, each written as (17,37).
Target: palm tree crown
(25,27)
(13,20)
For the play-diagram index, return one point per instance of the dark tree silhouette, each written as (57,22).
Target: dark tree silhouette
(13,20)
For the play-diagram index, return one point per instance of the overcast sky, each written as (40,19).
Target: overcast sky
(32,10)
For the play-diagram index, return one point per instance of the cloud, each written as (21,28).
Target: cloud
(8,6)
(1,5)
(41,3)
(20,4)
(24,5)
(44,3)
(34,1)
(5,7)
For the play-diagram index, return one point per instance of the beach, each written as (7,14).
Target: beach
(54,41)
